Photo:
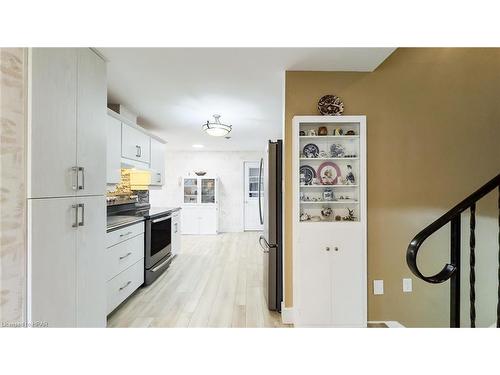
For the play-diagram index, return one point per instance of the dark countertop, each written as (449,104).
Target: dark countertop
(119,221)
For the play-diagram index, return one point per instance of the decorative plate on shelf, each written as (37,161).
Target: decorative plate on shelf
(328,173)
(309,173)
(330,105)
(311,150)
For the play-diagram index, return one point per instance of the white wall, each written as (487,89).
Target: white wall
(227,165)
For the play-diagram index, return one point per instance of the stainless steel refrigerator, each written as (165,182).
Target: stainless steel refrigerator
(271,216)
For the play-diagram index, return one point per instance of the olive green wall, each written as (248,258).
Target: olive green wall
(433,137)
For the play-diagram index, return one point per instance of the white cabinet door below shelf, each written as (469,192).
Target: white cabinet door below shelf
(207,220)
(348,277)
(314,281)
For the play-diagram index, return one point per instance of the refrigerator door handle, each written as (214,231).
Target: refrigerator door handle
(265,247)
(260,198)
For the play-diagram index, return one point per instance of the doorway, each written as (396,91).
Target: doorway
(251,199)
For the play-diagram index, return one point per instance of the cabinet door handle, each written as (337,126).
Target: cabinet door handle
(126,255)
(125,234)
(82,223)
(82,185)
(137,151)
(75,224)
(75,171)
(127,284)
(175,225)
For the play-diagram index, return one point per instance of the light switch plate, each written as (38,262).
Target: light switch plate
(407,285)
(378,287)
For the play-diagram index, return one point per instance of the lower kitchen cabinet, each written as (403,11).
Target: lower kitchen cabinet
(176,233)
(124,263)
(120,287)
(66,260)
(200,219)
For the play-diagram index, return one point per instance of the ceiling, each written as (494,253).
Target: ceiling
(175,90)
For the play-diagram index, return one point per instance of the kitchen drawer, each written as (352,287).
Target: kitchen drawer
(121,256)
(125,233)
(124,284)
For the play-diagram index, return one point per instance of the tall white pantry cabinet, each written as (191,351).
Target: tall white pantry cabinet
(66,187)
(329,221)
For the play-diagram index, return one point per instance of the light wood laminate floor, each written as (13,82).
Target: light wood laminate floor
(216,281)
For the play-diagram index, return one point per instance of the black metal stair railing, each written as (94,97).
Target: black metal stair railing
(451,271)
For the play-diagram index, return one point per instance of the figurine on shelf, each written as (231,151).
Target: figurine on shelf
(311,133)
(350,215)
(350,176)
(337,151)
(305,217)
(338,131)
(323,130)
(326,212)
(328,195)
(350,132)
(338,218)
(302,133)
(341,180)
(323,154)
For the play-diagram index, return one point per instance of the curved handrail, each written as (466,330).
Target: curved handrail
(416,242)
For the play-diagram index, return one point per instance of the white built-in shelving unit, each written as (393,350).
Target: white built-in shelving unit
(329,221)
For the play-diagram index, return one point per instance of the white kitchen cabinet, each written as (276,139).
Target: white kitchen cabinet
(329,222)
(67,175)
(66,279)
(52,110)
(157,162)
(119,288)
(113,150)
(135,144)
(90,262)
(176,233)
(67,112)
(200,211)
(91,123)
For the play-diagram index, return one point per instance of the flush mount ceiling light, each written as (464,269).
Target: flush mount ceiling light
(216,128)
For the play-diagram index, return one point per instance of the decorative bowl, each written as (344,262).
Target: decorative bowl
(200,173)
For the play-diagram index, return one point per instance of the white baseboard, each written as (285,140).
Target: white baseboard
(286,314)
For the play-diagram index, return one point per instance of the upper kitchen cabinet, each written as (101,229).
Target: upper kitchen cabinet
(52,148)
(135,144)
(113,150)
(91,122)
(157,162)
(67,110)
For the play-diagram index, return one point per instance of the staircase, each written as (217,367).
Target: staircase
(451,271)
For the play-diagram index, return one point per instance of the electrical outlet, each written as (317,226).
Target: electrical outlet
(378,287)
(407,285)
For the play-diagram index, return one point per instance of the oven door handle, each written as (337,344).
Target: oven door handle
(161,219)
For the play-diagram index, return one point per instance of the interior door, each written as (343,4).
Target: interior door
(251,199)
(348,277)
(52,152)
(90,262)
(91,123)
(53,261)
